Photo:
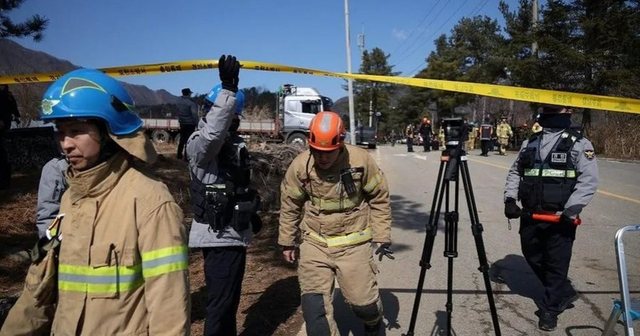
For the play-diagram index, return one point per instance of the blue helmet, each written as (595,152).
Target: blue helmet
(89,93)
(213,94)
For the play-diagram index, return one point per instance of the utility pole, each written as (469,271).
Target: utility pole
(361,46)
(352,121)
(534,25)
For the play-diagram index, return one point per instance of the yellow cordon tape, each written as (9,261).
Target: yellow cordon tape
(563,98)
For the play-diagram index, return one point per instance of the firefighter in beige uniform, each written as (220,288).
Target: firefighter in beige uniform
(504,132)
(336,198)
(123,264)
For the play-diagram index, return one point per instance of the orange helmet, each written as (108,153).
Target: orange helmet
(326,131)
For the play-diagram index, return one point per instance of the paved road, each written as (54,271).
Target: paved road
(412,179)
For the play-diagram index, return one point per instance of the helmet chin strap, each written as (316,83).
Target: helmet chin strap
(108,147)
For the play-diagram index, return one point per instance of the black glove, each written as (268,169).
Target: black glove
(511,209)
(256,223)
(384,251)
(566,220)
(229,69)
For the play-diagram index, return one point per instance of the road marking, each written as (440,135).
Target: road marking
(489,164)
(420,157)
(606,193)
(603,192)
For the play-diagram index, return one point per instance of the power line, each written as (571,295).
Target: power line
(410,46)
(473,13)
(424,18)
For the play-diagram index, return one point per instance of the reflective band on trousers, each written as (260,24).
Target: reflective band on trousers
(550,172)
(347,240)
(114,279)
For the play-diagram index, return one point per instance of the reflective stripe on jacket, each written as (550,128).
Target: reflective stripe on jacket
(314,200)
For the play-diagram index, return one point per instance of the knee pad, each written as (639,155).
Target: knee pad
(314,314)
(370,314)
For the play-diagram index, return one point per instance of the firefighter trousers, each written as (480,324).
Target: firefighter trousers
(354,269)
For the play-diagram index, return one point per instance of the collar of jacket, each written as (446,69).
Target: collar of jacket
(97,180)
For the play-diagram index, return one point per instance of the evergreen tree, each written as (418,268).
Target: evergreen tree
(372,96)
(34,26)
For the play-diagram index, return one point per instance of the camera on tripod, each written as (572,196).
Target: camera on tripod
(456,131)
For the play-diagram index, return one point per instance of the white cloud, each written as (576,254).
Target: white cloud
(399,34)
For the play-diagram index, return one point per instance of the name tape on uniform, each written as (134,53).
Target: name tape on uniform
(607,103)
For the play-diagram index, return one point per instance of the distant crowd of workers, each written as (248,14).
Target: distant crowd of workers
(113,254)
(487,135)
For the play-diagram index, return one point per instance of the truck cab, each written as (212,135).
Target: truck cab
(296,107)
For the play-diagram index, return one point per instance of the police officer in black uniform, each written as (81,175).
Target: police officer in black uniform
(555,175)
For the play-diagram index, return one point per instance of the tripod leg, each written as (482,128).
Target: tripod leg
(425,260)
(476,229)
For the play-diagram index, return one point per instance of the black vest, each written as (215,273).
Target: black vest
(546,185)
(215,203)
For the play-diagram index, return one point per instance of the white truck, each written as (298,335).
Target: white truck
(295,108)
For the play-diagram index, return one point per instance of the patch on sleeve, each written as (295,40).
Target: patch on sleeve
(589,154)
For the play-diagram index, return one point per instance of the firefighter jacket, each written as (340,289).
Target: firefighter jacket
(203,149)
(410,131)
(556,171)
(52,186)
(315,203)
(504,130)
(123,264)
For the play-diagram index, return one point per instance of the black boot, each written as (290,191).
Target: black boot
(373,330)
(548,321)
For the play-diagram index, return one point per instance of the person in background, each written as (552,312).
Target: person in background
(410,134)
(8,112)
(554,177)
(427,133)
(123,263)
(485,134)
(224,205)
(504,133)
(53,184)
(188,119)
(335,200)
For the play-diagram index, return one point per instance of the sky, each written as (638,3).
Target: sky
(309,33)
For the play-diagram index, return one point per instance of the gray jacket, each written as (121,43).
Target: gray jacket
(52,185)
(187,112)
(585,164)
(203,148)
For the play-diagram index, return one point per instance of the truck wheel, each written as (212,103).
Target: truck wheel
(160,136)
(176,139)
(297,139)
(371,146)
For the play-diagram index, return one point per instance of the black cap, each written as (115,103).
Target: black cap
(186,92)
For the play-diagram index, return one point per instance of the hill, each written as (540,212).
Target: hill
(16,59)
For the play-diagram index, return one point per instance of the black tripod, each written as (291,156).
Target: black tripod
(452,161)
